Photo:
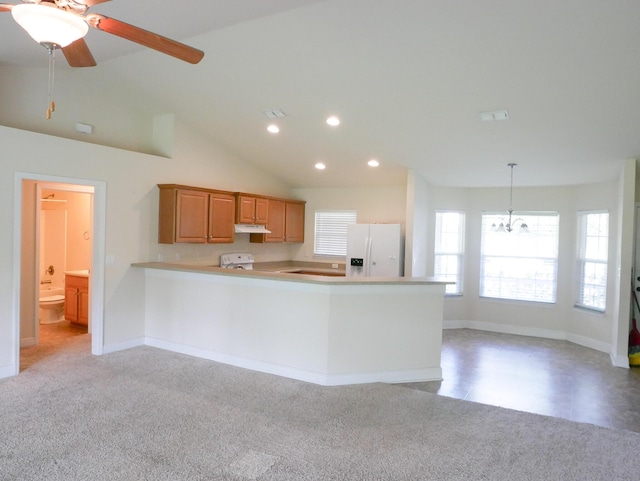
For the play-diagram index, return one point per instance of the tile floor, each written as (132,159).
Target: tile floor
(555,378)
(53,338)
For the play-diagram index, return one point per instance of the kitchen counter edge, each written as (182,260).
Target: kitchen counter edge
(289,277)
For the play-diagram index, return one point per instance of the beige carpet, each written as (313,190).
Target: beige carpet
(147,414)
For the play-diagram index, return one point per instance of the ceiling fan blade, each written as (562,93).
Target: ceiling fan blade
(146,38)
(5,7)
(78,54)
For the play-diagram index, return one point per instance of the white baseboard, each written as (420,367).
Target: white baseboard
(27,342)
(590,343)
(7,371)
(529,331)
(434,374)
(122,346)
(620,361)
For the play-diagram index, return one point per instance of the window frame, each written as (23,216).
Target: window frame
(582,259)
(456,289)
(541,261)
(339,232)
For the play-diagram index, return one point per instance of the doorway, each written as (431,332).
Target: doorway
(29,190)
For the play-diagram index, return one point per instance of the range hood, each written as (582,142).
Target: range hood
(251,229)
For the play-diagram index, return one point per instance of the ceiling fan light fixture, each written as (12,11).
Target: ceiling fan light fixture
(49,24)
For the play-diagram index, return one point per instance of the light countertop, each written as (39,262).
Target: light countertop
(288,273)
(80,273)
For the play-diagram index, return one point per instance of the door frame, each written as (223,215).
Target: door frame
(98,229)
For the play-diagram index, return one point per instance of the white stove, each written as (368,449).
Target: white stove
(237,261)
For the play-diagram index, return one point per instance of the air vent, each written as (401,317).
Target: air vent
(275,114)
(495,115)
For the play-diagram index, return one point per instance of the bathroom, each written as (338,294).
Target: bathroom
(64,245)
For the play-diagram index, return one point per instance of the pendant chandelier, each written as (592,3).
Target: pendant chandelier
(511,223)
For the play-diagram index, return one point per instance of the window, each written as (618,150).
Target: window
(331,232)
(518,265)
(593,247)
(449,249)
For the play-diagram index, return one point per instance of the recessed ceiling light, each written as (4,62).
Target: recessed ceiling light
(320,166)
(333,121)
(273,128)
(373,163)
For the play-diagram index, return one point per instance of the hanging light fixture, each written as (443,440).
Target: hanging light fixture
(52,28)
(509,226)
(48,24)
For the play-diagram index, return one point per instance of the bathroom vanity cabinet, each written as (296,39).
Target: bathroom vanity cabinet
(76,299)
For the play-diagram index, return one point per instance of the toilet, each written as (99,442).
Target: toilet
(51,304)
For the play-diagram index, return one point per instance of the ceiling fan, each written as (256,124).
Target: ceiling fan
(64,23)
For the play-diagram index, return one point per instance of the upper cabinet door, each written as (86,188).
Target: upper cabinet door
(246,209)
(252,210)
(294,222)
(222,209)
(192,207)
(276,221)
(262,211)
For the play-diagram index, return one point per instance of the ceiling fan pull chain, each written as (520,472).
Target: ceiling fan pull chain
(52,67)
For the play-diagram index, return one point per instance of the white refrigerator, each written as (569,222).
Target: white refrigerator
(374,250)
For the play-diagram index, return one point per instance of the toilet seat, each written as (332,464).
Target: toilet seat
(51,299)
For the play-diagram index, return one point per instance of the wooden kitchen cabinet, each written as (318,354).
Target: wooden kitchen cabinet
(276,223)
(294,222)
(221,218)
(76,300)
(286,222)
(252,210)
(195,215)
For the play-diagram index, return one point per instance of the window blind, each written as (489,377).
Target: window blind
(331,232)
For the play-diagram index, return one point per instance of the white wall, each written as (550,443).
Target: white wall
(418,242)
(132,214)
(561,319)
(379,204)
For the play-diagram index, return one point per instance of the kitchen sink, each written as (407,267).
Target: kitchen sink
(313,272)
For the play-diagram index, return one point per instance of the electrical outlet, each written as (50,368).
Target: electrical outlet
(334,266)
(160,257)
(110,260)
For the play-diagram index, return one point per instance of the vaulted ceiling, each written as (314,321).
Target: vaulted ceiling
(408,79)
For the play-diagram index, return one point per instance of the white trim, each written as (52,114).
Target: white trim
(620,361)
(427,374)
(588,342)
(531,332)
(7,371)
(505,329)
(27,342)
(123,346)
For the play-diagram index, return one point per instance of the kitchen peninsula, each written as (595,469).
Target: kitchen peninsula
(322,329)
